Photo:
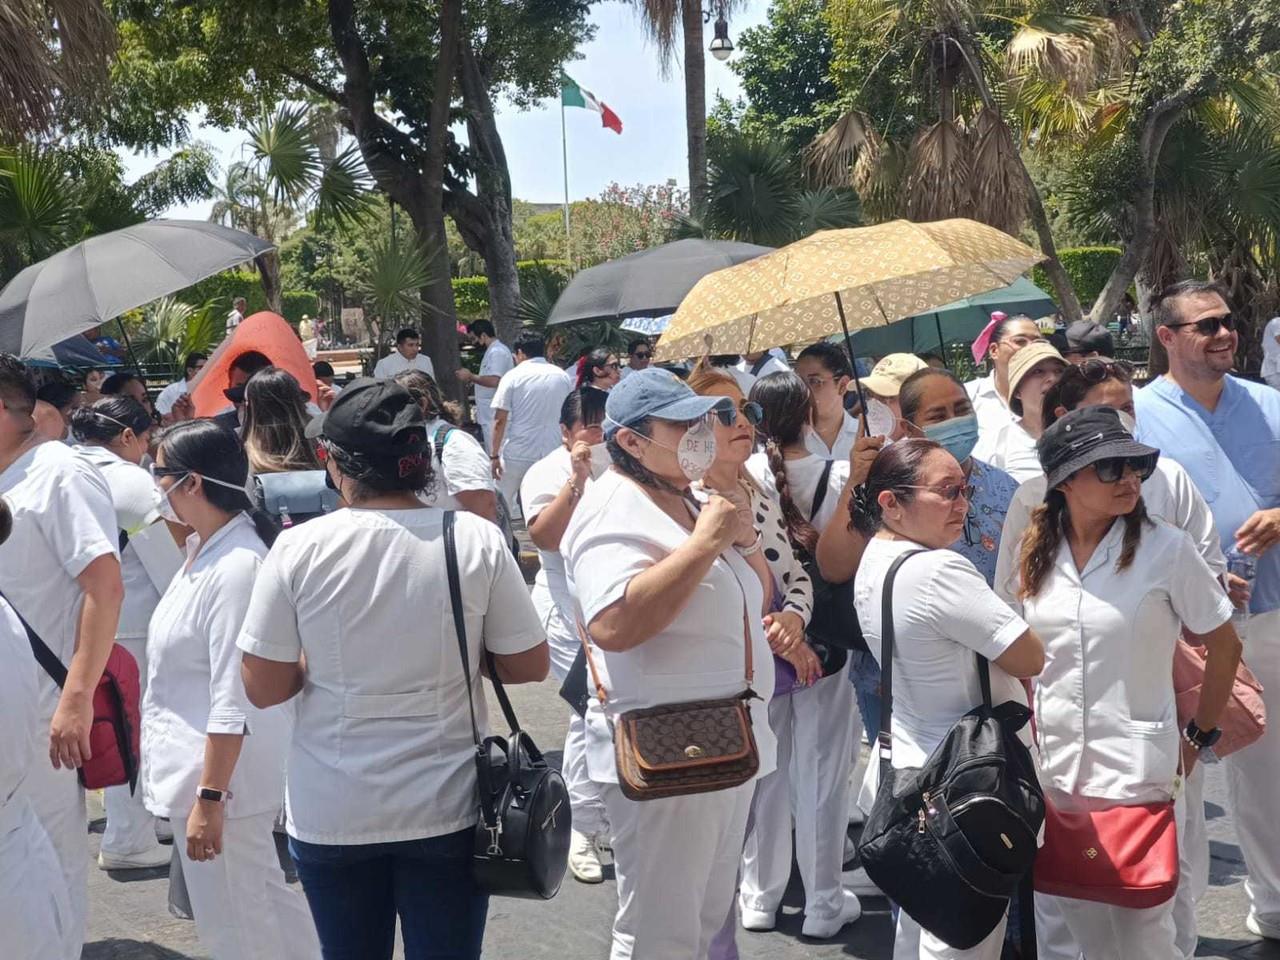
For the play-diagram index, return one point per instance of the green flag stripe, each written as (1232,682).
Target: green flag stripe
(571,93)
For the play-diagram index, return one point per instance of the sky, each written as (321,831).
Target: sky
(620,66)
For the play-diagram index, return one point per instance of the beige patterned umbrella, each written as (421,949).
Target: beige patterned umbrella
(840,280)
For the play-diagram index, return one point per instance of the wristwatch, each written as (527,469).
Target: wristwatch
(1200,739)
(212,794)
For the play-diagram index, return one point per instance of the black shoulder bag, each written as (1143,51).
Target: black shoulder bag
(522,839)
(834,622)
(952,842)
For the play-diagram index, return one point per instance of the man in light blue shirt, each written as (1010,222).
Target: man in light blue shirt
(1225,432)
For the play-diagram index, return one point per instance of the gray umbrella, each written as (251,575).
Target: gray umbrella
(80,287)
(650,283)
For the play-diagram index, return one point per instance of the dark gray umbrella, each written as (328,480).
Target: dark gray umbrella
(95,281)
(650,283)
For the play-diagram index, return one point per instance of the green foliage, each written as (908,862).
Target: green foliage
(172,328)
(620,221)
(471,294)
(471,297)
(1088,268)
(224,287)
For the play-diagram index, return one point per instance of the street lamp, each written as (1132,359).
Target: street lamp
(721,46)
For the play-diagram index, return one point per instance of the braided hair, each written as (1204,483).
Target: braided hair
(784,399)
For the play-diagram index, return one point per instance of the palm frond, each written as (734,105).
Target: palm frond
(395,275)
(938,178)
(830,156)
(879,177)
(826,208)
(38,201)
(343,191)
(171,329)
(282,142)
(752,190)
(1070,49)
(999,186)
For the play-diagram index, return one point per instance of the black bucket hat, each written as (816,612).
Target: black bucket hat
(376,418)
(1084,437)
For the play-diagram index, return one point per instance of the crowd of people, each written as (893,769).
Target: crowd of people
(730,532)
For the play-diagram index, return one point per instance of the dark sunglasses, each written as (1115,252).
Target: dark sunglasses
(157,472)
(1209,326)
(644,355)
(753,413)
(951,492)
(1095,370)
(1113,468)
(234,394)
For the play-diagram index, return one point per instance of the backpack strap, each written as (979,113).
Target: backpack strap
(47,659)
(440,439)
(759,364)
(820,495)
(884,737)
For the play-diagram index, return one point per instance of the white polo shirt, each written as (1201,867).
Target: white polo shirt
(990,409)
(843,445)
(803,476)
(1270,348)
(395,362)
(1169,495)
(769,363)
(532,394)
(497,360)
(63,520)
(616,533)
(460,466)
(19,692)
(382,750)
(1106,722)
(1012,450)
(943,614)
(194,686)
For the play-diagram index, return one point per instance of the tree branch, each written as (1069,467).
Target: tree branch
(315,86)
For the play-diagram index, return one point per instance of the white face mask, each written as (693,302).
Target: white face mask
(881,421)
(165,509)
(600,460)
(696,451)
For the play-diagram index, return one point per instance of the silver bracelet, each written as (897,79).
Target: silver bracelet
(752,550)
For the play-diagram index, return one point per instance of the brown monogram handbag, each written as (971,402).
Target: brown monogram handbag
(677,749)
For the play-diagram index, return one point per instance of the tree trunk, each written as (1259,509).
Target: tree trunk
(695,103)
(268,265)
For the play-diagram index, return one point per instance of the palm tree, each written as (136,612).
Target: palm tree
(171,330)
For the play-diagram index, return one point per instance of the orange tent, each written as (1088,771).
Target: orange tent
(266,332)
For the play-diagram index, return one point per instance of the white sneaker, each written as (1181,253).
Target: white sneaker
(584,859)
(1260,928)
(823,928)
(758,921)
(157,856)
(858,881)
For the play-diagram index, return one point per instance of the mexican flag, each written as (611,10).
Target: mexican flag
(572,95)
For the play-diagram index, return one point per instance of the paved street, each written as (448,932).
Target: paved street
(129,920)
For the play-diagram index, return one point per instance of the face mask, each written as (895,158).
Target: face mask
(1127,421)
(881,420)
(165,508)
(600,460)
(696,451)
(957,436)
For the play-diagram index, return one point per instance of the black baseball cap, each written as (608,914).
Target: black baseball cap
(378,418)
(1085,436)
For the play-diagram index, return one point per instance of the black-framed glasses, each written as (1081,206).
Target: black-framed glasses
(1207,326)
(1096,369)
(951,492)
(1112,469)
(752,412)
(157,471)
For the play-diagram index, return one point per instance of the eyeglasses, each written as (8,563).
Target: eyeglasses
(1021,340)
(157,472)
(1095,370)
(1113,468)
(752,412)
(951,492)
(1209,326)
(813,380)
(612,365)
(642,356)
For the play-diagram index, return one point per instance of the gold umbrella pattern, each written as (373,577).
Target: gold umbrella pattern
(840,280)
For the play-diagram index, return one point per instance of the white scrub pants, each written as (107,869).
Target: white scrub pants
(912,943)
(677,864)
(1252,775)
(815,755)
(34,912)
(130,828)
(58,801)
(243,908)
(513,472)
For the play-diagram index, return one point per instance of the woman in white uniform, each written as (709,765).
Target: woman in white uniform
(824,367)
(943,614)
(351,614)
(114,435)
(34,911)
(211,763)
(1032,371)
(550,492)
(1108,589)
(671,597)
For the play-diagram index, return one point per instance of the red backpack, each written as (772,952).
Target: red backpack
(114,737)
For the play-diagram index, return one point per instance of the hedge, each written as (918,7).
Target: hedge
(471,294)
(245,283)
(1089,269)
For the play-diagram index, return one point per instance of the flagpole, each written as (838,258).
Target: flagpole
(564,150)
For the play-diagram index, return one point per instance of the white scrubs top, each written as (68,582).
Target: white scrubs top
(989,407)
(532,395)
(802,479)
(843,445)
(194,686)
(395,362)
(1106,722)
(63,520)
(382,750)
(1012,450)
(616,533)
(943,614)
(461,466)
(496,361)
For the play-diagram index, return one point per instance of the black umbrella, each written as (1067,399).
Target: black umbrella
(95,281)
(650,283)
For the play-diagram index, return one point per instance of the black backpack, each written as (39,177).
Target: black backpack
(952,842)
(834,622)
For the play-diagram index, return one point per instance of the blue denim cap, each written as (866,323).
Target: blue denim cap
(656,393)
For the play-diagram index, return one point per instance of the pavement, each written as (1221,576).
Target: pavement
(129,920)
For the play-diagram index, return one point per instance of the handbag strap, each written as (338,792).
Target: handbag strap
(460,628)
(820,495)
(47,659)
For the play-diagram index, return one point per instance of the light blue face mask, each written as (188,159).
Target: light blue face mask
(957,436)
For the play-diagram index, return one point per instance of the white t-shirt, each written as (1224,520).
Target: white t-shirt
(234,319)
(540,486)
(194,686)
(496,361)
(63,520)
(1106,722)
(136,499)
(803,476)
(990,409)
(395,362)
(532,394)
(843,446)
(19,692)
(769,363)
(1271,349)
(1012,450)
(617,533)
(170,395)
(943,613)
(382,750)
(462,465)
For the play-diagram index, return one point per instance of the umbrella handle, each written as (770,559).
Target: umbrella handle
(853,365)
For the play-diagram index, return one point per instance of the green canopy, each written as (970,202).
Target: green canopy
(958,322)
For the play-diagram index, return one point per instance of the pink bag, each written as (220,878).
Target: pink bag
(1245,718)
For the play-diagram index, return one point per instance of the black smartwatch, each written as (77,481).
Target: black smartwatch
(1201,739)
(212,794)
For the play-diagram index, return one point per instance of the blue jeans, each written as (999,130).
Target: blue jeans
(864,672)
(356,891)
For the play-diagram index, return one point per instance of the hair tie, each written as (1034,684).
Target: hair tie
(980,345)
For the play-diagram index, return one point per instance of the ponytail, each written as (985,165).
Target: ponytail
(799,531)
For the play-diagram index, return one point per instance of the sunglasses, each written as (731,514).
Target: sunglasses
(752,412)
(158,472)
(234,394)
(1209,326)
(1113,468)
(951,492)
(1096,370)
(642,356)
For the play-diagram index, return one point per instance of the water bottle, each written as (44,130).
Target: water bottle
(1245,567)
